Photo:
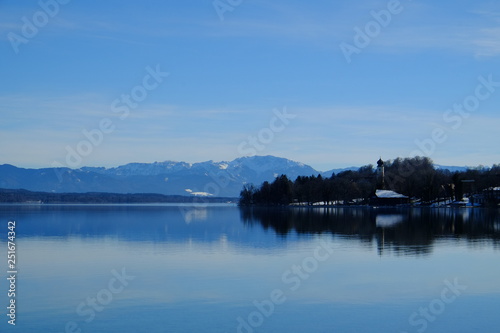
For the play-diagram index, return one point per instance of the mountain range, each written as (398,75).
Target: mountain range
(224,179)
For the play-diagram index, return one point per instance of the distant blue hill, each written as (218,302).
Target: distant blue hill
(329,173)
(451,168)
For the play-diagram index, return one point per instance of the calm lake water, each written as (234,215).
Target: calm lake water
(162,268)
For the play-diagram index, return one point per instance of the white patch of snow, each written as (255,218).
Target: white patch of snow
(201,194)
(198,194)
(388,194)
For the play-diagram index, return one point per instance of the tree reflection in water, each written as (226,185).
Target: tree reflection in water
(403,231)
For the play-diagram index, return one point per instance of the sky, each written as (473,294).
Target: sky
(328,83)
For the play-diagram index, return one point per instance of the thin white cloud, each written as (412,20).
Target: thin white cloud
(488,43)
(417,27)
(476,41)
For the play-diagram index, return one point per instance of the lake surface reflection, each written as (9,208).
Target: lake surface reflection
(218,268)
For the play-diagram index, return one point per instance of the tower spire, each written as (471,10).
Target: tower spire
(380,174)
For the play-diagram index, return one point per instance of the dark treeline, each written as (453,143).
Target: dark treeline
(23,196)
(414,177)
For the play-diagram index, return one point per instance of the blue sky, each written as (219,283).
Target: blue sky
(228,78)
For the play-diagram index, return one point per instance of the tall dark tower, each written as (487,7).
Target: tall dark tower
(380,175)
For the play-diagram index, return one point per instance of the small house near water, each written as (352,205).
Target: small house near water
(388,198)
